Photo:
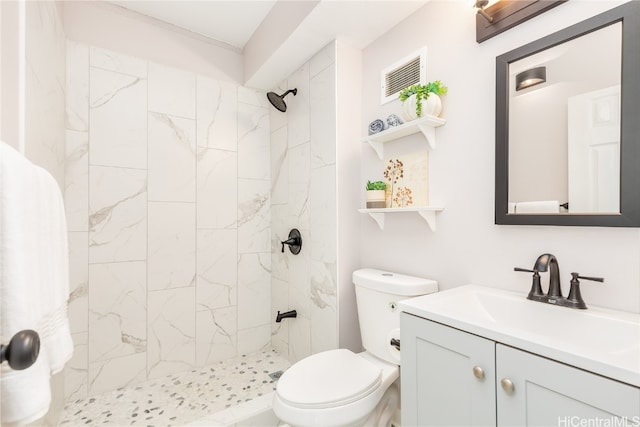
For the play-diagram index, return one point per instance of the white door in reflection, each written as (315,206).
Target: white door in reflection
(594,151)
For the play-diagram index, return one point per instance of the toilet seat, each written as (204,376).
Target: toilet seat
(329,379)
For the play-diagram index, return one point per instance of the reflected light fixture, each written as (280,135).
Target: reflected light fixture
(531,77)
(480,5)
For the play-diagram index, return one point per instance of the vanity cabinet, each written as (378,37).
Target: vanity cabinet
(454,378)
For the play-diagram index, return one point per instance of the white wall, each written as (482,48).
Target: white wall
(44,87)
(468,247)
(10,81)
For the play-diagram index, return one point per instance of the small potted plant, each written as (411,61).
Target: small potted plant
(376,194)
(413,96)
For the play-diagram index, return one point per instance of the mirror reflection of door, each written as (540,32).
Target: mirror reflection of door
(594,151)
(541,161)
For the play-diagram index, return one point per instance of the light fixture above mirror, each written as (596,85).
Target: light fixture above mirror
(493,19)
(531,77)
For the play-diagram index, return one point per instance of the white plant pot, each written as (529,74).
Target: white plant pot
(432,106)
(376,199)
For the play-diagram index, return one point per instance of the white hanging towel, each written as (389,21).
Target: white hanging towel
(543,206)
(34,282)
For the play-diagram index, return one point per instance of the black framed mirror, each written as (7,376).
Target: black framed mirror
(621,107)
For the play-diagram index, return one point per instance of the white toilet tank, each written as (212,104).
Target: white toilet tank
(377,296)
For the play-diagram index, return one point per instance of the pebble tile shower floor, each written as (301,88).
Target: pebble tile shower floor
(180,399)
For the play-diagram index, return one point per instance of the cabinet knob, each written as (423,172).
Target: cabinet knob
(507,385)
(478,372)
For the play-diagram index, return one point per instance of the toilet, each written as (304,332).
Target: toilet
(342,388)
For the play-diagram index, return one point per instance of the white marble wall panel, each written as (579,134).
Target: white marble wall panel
(323,215)
(118,111)
(299,281)
(78,303)
(76,191)
(216,335)
(216,284)
(280,302)
(299,185)
(323,59)
(306,282)
(77,87)
(217,110)
(118,301)
(279,167)
(118,62)
(322,120)
(253,142)
(217,188)
(298,107)
(76,370)
(117,214)
(115,373)
(323,310)
(254,216)
(172,245)
(299,338)
(247,95)
(172,158)
(172,338)
(280,226)
(254,290)
(254,339)
(172,91)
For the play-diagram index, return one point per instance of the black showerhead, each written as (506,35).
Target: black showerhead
(278,100)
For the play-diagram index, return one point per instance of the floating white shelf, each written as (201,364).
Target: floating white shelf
(426,125)
(427,213)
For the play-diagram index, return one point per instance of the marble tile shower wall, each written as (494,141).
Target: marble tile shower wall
(167,192)
(303,195)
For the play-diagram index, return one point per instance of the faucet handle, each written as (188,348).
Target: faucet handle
(535,293)
(574,299)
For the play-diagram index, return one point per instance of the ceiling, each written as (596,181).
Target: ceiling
(234,22)
(229,21)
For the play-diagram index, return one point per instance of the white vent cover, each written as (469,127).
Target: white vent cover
(406,72)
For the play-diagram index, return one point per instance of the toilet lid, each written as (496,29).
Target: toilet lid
(328,379)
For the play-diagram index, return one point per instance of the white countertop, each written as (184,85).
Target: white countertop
(599,340)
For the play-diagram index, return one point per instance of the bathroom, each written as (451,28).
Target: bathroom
(191,258)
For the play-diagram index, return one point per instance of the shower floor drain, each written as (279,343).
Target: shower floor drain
(276,375)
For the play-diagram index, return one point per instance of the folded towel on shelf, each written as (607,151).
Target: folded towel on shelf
(377,126)
(543,206)
(34,282)
(393,120)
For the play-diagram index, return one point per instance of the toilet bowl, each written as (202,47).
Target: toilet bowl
(343,388)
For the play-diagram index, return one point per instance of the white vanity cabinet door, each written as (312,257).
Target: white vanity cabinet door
(439,386)
(549,393)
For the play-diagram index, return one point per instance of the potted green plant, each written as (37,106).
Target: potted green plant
(413,96)
(376,194)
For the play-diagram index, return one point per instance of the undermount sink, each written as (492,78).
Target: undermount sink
(599,340)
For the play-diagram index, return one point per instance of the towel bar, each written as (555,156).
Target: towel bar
(22,351)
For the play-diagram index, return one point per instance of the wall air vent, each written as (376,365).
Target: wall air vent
(406,72)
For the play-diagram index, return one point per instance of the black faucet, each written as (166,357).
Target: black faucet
(543,262)
(286,314)
(554,293)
